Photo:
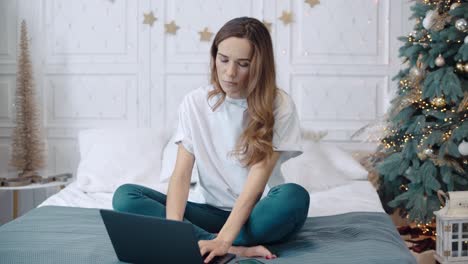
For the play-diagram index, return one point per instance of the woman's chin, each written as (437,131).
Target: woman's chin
(231,92)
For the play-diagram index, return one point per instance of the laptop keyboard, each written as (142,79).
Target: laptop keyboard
(222,259)
(216,260)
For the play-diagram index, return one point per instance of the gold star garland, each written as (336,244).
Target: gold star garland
(171,28)
(286,17)
(312,3)
(149,18)
(205,35)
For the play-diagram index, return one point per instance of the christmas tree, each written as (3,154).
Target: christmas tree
(27,145)
(424,148)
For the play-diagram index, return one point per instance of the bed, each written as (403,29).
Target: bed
(346,222)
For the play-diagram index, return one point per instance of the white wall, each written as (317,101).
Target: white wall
(96,64)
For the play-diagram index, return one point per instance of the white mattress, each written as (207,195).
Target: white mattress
(357,196)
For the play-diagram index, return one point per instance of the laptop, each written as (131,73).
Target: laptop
(145,239)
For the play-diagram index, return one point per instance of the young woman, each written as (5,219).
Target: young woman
(238,130)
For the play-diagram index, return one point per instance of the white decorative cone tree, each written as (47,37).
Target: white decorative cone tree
(28,153)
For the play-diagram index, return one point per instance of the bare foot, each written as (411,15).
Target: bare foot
(255,251)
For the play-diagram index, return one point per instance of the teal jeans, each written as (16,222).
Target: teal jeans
(275,218)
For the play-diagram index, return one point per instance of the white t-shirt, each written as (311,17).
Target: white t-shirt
(211,136)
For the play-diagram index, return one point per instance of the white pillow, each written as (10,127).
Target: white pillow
(168,163)
(344,162)
(321,167)
(313,169)
(112,157)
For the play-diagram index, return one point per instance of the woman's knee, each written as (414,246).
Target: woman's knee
(121,201)
(295,194)
(297,199)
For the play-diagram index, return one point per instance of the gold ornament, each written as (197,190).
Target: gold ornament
(459,66)
(454,5)
(415,72)
(267,25)
(465,67)
(149,18)
(440,61)
(205,35)
(286,17)
(312,3)
(438,102)
(171,28)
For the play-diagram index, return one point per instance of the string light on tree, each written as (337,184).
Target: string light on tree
(438,102)
(423,155)
(428,152)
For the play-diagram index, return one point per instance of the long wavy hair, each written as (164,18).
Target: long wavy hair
(255,143)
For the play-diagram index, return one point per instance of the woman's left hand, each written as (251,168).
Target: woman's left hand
(215,247)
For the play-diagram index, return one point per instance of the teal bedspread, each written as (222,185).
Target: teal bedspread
(54,234)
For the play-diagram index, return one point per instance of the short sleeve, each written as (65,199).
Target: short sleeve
(286,131)
(183,133)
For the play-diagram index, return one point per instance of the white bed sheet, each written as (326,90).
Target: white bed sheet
(357,196)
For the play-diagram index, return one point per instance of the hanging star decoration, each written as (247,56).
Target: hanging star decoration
(205,35)
(149,18)
(267,25)
(312,3)
(286,17)
(171,28)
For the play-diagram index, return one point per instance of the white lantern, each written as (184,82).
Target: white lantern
(452,228)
